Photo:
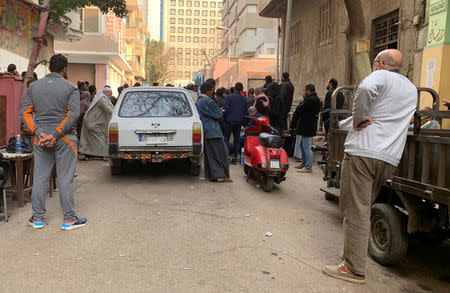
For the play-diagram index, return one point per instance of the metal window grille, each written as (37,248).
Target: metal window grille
(385,33)
(325,24)
(295,39)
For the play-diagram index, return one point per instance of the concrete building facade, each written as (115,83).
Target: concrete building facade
(100,56)
(327,41)
(248,34)
(190,33)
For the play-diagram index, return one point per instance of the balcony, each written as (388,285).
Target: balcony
(272,8)
(132,34)
(72,32)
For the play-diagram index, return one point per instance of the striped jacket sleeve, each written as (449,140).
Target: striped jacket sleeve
(28,114)
(73,112)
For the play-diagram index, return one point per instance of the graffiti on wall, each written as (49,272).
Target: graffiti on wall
(17,17)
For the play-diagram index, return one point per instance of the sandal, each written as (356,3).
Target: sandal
(225,179)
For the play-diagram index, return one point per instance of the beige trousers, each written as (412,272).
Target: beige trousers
(361,181)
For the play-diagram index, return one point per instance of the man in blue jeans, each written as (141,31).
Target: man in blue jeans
(235,109)
(305,123)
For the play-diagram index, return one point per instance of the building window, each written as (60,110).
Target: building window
(189,3)
(172,29)
(205,4)
(188,12)
(295,38)
(180,39)
(211,52)
(196,12)
(180,20)
(220,5)
(180,12)
(173,3)
(196,22)
(213,4)
(212,13)
(195,51)
(188,63)
(205,13)
(326,36)
(212,31)
(172,38)
(252,8)
(91,18)
(180,62)
(212,22)
(187,73)
(180,50)
(173,20)
(251,32)
(188,21)
(204,40)
(385,33)
(188,39)
(197,3)
(204,31)
(180,30)
(180,74)
(212,40)
(181,3)
(188,30)
(196,39)
(196,30)
(173,12)
(204,21)
(195,63)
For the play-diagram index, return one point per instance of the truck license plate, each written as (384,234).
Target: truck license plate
(156,139)
(274,164)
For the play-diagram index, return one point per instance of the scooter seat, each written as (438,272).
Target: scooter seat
(271,140)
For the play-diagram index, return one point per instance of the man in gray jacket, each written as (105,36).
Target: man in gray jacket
(384,104)
(50,108)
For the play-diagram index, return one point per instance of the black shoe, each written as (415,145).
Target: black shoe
(233,161)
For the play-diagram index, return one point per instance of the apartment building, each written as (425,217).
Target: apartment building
(248,34)
(191,36)
(100,56)
(136,35)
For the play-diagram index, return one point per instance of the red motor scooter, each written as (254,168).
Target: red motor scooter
(264,156)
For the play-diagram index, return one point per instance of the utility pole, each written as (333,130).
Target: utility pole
(287,38)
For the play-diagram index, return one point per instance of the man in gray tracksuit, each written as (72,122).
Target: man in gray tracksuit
(50,108)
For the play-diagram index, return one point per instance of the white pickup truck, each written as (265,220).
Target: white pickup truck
(155,124)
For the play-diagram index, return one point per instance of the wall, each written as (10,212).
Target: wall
(79,71)
(317,64)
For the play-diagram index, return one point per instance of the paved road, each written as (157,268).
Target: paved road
(160,230)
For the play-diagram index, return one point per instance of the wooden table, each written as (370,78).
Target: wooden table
(20,186)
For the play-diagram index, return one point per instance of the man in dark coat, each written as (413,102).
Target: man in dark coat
(305,123)
(275,106)
(340,100)
(235,110)
(287,93)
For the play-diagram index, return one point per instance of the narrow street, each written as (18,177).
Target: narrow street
(160,230)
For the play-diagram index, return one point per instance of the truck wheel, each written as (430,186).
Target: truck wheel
(267,183)
(388,239)
(194,170)
(116,166)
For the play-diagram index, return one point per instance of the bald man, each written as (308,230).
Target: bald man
(384,104)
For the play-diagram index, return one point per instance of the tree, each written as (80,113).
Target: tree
(156,61)
(54,11)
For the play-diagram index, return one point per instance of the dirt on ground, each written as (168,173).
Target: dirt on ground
(157,229)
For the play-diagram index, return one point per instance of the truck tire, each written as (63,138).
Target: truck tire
(388,239)
(194,170)
(116,166)
(267,183)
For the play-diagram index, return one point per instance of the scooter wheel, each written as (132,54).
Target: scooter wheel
(246,170)
(267,183)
